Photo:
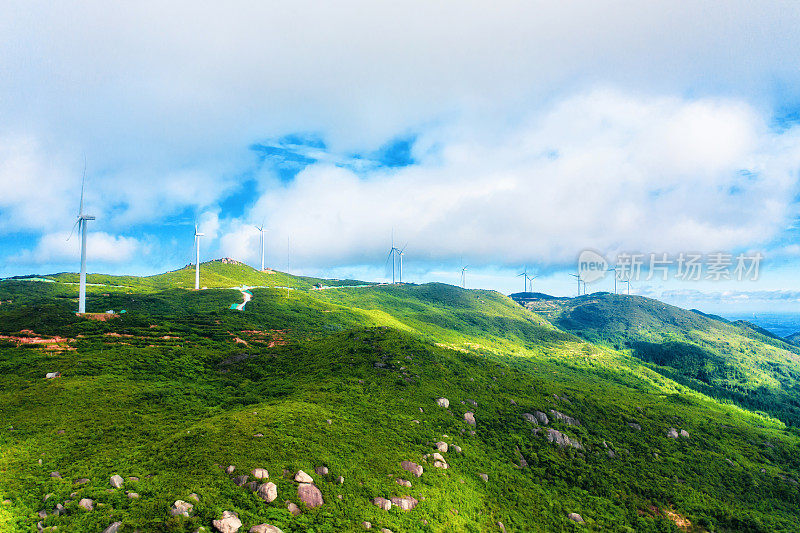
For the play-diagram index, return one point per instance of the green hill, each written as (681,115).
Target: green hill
(737,361)
(180,386)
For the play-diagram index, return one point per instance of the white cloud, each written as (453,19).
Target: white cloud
(603,169)
(100,248)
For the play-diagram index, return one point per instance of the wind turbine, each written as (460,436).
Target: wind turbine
(615,278)
(531,281)
(579,282)
(393,251)
(524,275)
(197,260)
(81,225)
(400,252)
(464,277)
(261,232)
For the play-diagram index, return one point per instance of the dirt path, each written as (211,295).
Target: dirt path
(246,297)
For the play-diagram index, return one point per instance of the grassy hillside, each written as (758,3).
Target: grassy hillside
(181,385)
(729,360)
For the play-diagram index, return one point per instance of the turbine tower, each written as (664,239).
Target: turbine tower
(83,218)
(261,232)
(464,277)
(400,253)
(197,258)
(524,275)
(393,252)
(578,276)
(530,279)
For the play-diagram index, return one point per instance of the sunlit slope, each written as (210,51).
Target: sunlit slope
(180,383)
(734,360)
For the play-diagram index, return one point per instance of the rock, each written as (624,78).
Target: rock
(194,497)
(133,478)
(87,504)
(406,503)
(635,426)
(133,495)
(260,473)
(252,486)
(512,402)
(473,403)
(469,418)
(484,477)
(530,418)
(443,402)
(56,475)
(310,495)
(414,468)
(562,440)
(265,528)
(403,482)
(575,517)
(321,470)
(293,508)
(367,525)
(383,503)
(302,477)
(181,508)
(48,496)
(267,492)
(113,528)
(42,514)
(568,420)
(230,469)
(240,481)
(52,375)
(441,446)
(672,433)
(340,480)
(684,434)
(116,481)
(456,448)
(386,530)
(329,421)
(229,523)
(502,527)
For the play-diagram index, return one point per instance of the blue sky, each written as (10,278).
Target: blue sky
(503,137)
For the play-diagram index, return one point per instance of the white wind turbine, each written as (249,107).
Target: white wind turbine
(81,225)
(197,258)
(464,276)
(261,232)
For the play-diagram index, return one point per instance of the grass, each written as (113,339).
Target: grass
(169,410)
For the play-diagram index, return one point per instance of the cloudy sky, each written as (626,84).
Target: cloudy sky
(496,137)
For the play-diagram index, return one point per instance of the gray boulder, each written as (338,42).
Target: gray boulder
(52,375)
(265,528)
(310,495)
(575,517)
(635,426)
(568,420)
(403,482)
(240,481)
(293,508)
(672,433)
(181,508)
(229,523)
(414,468)
(405,503)
(441,446)
(541,417)
(302,477)
(469,418)
(443,402)
(260,473)
(484,477)
(562,440)
(230,469)
(267,492)
(383,503)
(321,470)
(116,481)
(684,434)
(87,504)
(113,528)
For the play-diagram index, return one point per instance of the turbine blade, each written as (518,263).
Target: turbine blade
(83,183)
(77,223)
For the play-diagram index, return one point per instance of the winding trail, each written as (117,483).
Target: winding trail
(246,297)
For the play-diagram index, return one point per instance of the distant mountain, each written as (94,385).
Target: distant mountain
(732,360)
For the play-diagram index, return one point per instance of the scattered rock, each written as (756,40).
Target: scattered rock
(562,440)
(443,402)
(383,503)
(194,497)
(116,481)
(321,470)
(87,504)
(386,530)
(403,482)
(635,426)
(260,473)
(502,527)
(230,469)
(367,525)
(48,496)
(133,495)
(684,434)
(113,528)
(133,478)
(568,420)
(229,523)
(441,446)
(414,468)
(265,528)
(484,477)
(456,448)
(575,517)
(52,375)
(438,460)
(309,494)
(267,492)
(473,403)
(672,433)
(293,508)
(56,475)
(530,418)
(302,477)
(406,503)
(512,402)
(329,421)
(181,508)
(469,418)
(42,514)
(340,480)
(253,485)
(240,481)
